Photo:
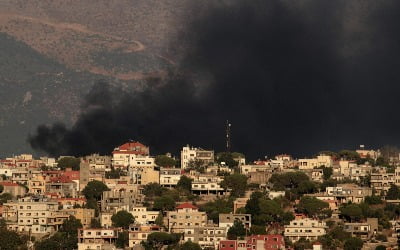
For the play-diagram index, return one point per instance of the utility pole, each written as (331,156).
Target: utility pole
(228,136)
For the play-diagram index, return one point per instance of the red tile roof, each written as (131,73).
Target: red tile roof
(9,184)
(186,205)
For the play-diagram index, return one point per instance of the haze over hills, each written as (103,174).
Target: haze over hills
(52,52)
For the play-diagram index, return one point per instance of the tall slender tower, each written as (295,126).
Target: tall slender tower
(228,136)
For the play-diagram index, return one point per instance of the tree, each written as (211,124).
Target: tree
(373,200)
(159,220)
(227,158)
(5,197)
(214,208)
(351,212)
(252,205)
(165,161)
(236,231)
(290,180)
(188,245)
(237,183)
(380,247)
(159,239)
(94,189)
(164,203)
(349,155)
(95,223)
(122,240)
(257,230)
(122,219)
(393,193)
(353,244)
(113,173)
(311,206)
(71,225)
(10,240)
(69,162)
(327,172)
(1,188)
(185,183)
(153,189)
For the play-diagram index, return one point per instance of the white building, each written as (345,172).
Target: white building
(321,160)
(308,229)
(142,216)
(169,177)
(189,154)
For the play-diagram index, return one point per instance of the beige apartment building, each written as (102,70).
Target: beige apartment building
(185,216)
(85,215)
(99,238)
(344,193)
(363,230)
(382,181)
(205,236)
(227,220)
(321,160)
(142,216)
(307,229)
(35,216)
(139,233)
(190,154)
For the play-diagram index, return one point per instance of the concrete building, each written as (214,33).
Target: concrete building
(85,215)
(131,154)
(144,175)
(33,215)
(139,233)
(13,188)
(120,199)
(308,229)
(382,181)
(363,230)
(98,162)
(208,185)
(185,216)
(190,154)
(227,220)
(259,242)
(142,216)
(344,193)
(99,238)
(205,236)
(169,177)
(321,160)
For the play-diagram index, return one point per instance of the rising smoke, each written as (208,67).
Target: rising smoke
(291,77)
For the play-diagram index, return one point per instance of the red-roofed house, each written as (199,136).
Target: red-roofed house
(185,216)
(132,154)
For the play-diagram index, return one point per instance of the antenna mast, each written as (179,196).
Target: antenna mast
(228,136)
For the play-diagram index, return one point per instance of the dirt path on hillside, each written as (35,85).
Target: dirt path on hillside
(75,27)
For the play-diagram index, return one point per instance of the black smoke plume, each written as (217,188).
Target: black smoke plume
(291,77)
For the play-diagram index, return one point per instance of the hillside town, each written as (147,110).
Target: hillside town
(201,200)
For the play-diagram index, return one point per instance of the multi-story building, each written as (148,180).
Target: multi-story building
(360,172)
(185,216)
(208,185)
(344,193)
(33,215)
(169,177)
(205,236)
(85,215)
(123,198)
(191,154)
(363,230)
(37,185)
(99,238)
(98,162)
(321,160)
(307,229)
(142,216)
(382,181)
(13,188)
(132,154)
(144,175)
(259,242)
(105,219)
(227,220)
(64,187)
(139,233)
